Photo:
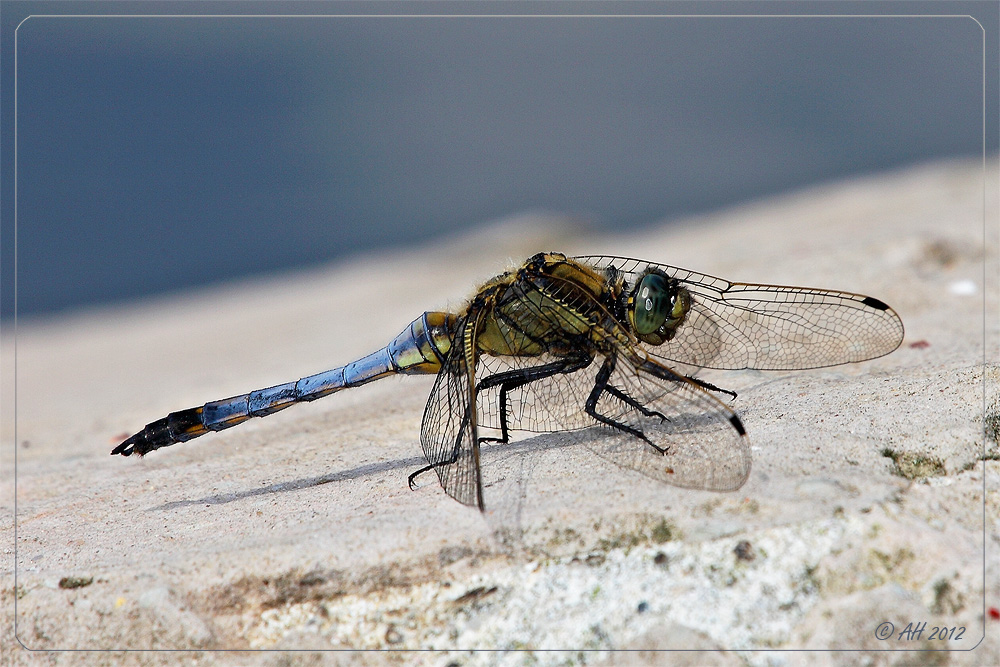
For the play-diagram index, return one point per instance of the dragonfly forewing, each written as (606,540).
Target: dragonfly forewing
(737,326)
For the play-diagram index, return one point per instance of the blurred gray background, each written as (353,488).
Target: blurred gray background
(159,153)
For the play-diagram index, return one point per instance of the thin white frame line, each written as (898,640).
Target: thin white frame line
(984,286)
(504,16)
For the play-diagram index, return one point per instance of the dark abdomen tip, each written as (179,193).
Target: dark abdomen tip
(128,447)
(175,427)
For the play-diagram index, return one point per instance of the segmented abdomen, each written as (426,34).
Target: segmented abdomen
(420,348)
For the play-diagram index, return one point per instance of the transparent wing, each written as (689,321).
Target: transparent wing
(692,439)
(528,323)
(699,441)
(448,432)
(767,327)
(542,405)
(643,416)
(546,405)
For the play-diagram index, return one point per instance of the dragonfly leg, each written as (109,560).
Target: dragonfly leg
(632,403)
(450,460)
(600,386)
(421,471)
(709,386)
(659,371)
(509,381)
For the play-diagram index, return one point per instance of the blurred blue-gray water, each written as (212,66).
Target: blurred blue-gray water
(159,153)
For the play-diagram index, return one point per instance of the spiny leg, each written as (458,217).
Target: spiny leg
(508,381)
(600,386)
(709,386)
(454,451)
(672,377)
(632,403)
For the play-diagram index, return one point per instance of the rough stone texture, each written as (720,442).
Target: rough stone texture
(298,533)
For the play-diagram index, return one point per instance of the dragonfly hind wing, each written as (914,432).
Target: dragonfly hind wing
(703,442)
(689,438)
(448,431)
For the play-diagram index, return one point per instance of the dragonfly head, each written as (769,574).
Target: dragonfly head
(657,306)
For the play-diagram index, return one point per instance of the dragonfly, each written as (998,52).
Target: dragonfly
(603,348)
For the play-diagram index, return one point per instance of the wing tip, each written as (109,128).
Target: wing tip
(877,304)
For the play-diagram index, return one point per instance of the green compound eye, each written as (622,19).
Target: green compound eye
(653,303)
